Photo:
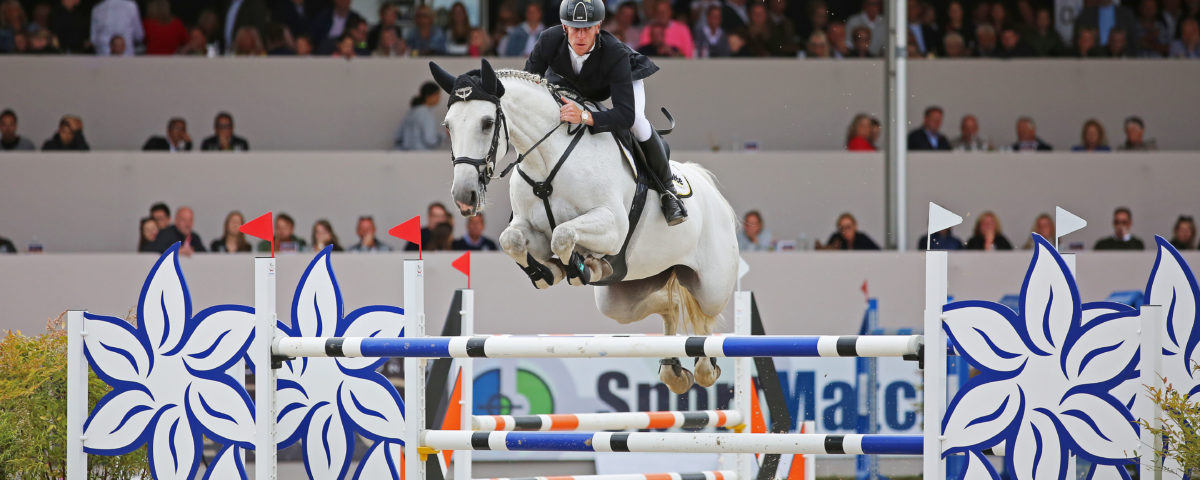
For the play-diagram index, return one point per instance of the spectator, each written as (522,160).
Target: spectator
(858,133)
(957,24)
(358,30)
(304,46)
(752,237)
(924,37)
(1027,139)
(677,35)
(520,39)
(711,40)
(985,41)
(762,39)
(1121,239)
(161,214)
(817,46)
(441,238)
(1043,225)
(223,138)
(999,16)
(297,17)
(329,26)
(968,139)
(165,34)
(658,46)
(1118,44)
(1135,136)
(147,232)
(624,24)
(285,236)
(181,232)
(1093,137)
(435,215)
(734,16)
(1043,38)
(458,30)
(322,236)
(1172,13)
(1103,18)
(929,136)
(116,46)
(861,42)
(474,239)
(943,240)
(276,37)
(70,23)
(480,44)
(987,234)
(847,236)
(1188,45)
(197,43)
(116,18)
(981,14)
(426,38)
(388,16)
(211,25)
(1085,44)
(874,133)
(232,240)
(783,28)
(1152,38)
(9,140)
(177,139)
(390,44)
(1011,45)
(817,19)
(419,130)
(954,46)
(506,19)
(836,33)
(1184,234)
(240,15)
(42,42)
(68,137)
(248,43)
(366,237)
(871,18)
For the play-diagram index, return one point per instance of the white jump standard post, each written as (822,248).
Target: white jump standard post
(414,369)
(934,467)
(462,459)
(743,383)
(77,397)
(264,369)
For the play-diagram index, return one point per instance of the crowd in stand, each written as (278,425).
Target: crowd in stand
(863,135)
(678,28)
(987,235)
(159,231)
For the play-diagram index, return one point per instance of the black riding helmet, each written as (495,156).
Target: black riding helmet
(581,13)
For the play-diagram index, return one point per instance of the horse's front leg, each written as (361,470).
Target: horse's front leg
(531,250)
(597,232)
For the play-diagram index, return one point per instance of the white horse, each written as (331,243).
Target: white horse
(688,270)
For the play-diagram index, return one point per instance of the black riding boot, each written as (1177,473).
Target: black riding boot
(654,149)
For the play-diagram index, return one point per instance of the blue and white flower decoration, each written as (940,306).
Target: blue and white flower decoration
(1046,377)
(170,378)
(1173,285)
(323,402)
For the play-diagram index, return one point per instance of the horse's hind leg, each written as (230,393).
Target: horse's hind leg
(677,378)
(633,300)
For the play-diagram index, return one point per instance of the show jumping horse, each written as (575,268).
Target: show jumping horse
(571,213)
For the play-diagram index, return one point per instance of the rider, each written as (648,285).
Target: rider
(598,65)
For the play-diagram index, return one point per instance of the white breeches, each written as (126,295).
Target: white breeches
(641,126)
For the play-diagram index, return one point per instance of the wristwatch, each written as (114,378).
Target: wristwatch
(585,116)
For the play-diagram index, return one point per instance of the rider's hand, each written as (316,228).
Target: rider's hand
(570,113)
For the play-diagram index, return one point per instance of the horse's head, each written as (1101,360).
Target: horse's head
(478,132)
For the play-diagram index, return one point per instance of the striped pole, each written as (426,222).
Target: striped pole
(675,442)
(599,347)
(709,475)
(607,421)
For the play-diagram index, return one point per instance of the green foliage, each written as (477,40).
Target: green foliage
(33,411)
(1180,427)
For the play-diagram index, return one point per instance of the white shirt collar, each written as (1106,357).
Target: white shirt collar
(577,59)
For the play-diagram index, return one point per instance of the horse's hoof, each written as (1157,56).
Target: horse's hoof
(599,267)
(577,271)
(707,373)
(678,383)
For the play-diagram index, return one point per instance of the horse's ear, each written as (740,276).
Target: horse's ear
(443,78)
(491,83)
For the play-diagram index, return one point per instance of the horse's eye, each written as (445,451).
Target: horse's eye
(488,123)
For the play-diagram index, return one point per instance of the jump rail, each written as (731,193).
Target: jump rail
(607,421)
(709,475)
(781,443)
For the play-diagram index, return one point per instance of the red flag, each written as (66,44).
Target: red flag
(410,231)
(866,295)
(463,264)
(263,228)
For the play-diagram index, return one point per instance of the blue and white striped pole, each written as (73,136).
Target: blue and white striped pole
(654,442)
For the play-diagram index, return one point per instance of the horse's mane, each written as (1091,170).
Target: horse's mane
(541,82)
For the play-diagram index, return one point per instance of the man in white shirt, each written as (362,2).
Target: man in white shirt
(872,18)
(116,17)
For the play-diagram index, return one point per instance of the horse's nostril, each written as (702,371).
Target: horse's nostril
(474,197)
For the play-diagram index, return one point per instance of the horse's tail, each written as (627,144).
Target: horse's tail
(683,302)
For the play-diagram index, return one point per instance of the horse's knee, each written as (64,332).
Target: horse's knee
(562,242)
(512,241)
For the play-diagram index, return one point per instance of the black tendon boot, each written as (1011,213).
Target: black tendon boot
(655,151)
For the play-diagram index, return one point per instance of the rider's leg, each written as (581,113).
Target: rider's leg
(657,154)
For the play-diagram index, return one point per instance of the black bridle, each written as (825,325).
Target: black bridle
(486,166)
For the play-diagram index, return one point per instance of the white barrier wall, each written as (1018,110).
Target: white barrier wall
(334,104)
(91,203)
